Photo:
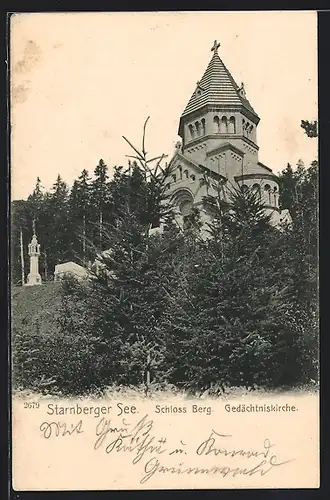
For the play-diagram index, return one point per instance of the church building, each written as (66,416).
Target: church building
(219,146)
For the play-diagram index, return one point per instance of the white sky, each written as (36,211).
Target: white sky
(81,81)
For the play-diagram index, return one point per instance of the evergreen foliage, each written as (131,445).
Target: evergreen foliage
(236,309)
(310,128)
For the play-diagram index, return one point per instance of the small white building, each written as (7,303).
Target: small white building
(70,269)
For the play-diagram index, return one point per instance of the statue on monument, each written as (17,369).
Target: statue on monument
(34,277)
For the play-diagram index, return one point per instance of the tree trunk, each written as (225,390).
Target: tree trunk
(100,228)
(84,238)
(45,266)
(147,375)
(22,257)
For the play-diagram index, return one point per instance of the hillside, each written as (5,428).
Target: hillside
(35,307)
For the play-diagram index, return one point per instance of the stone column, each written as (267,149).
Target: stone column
(34,277)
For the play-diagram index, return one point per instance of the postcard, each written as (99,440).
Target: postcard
(164,265)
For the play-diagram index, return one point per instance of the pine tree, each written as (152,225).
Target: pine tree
(100,199)
(132,268)
(310,128)
(80,215)
(230,324)
(57,228)
(133,282)
(301,250)
(20,226)
(287,182)
(35,200)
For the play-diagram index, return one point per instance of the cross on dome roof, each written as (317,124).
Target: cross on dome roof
(215,47)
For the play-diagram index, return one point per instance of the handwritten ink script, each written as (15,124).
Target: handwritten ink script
(215,453)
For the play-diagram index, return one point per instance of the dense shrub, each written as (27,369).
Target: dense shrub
(237,309)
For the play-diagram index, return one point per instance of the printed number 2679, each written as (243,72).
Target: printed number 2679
(31,404)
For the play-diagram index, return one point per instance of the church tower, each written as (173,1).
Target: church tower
(218,129)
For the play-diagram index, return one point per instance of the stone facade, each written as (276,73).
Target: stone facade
(218,129)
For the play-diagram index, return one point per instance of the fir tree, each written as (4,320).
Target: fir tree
(80,215)
(20,227)
(57,233)
(231,321)
(310,128)
(35,201)
(100,197)
(132,284)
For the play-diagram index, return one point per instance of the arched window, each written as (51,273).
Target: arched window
(174,177)
(184,201)
(243,126)
(193,177)
(250,129)
(186,174)
(223,125)
(203,126)
(268,193)
(275,196)
(256,188)
(180,170)
(185,208)
(192,131)
(216,122)
(198,129)
(231,125)
(244,188)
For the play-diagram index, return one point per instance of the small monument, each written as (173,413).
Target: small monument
(34,277)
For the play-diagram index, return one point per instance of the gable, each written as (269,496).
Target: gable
(180,163)
(190,169)
(225,147)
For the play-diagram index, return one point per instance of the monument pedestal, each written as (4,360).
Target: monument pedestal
(33,279)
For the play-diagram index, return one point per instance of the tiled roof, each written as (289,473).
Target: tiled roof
(218,87)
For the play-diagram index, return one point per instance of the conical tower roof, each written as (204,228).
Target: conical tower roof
(217,87)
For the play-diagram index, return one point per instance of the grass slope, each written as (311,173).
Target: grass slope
(34,311)
(35,307)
